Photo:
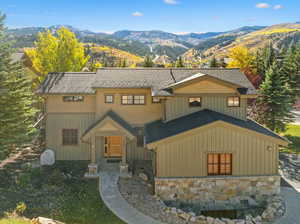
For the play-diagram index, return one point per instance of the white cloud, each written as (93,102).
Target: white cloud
(276,7)
(262,5)
(137,14)
(171,2)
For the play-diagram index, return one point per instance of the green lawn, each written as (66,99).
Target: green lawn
(293,135)
(58,192)
(13,221)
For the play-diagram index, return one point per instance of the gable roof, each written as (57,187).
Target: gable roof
(157,79)
(116,118)
(158,130)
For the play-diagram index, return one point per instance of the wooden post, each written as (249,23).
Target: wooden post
(93,146)
(124,150)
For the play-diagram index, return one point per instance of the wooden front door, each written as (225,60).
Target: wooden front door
(113,146)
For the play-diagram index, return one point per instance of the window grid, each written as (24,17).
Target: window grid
(109,98)
(70,136)
(133,99)
(219,164)
(195,101)
(233,101)
(73,98)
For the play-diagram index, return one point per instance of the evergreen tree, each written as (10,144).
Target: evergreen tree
(275,104)
(291,69)
(148,62)
(16,100)
(213,63)
(264,59)
(179,63)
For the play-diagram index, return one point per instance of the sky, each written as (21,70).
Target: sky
(177,16)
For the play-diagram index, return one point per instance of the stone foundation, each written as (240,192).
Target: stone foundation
(218,192)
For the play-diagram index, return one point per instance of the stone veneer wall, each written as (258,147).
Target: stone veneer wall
(218,191)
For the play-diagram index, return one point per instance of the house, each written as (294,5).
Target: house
(191,124)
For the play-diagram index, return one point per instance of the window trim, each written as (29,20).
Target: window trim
(73,101)
(233,97)
(69,129)
(195,98)
(133,95)
(159,100)
(113,98)
(219,164)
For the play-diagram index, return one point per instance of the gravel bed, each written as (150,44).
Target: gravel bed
(138,193)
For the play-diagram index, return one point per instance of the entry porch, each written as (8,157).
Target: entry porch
(108,140)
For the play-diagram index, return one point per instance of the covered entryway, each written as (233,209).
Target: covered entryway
(108,138)
(113,146)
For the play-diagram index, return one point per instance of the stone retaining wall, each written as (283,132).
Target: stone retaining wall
(217,192)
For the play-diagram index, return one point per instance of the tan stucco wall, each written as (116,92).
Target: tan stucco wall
(136,115)
(204,86)
(179,106)
(186,155)
(55,104)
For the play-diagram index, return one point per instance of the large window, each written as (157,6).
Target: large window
(195,101)
(73,98)
(219,164)
(233,101)
(133,99)
(70,136)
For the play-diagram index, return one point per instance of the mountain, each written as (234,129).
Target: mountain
(280,35)
(156,42)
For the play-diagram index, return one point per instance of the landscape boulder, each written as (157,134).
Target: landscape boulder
(47,157)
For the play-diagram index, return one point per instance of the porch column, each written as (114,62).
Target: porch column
(124,150)
(124,166)
(93,149)
(93,166)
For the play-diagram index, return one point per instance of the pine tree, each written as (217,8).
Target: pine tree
(179,63)
(275,104)
(16,100)
(148,62)
(264,59)
(213,63)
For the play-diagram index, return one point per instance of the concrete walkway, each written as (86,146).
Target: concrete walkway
(113,199)
(292,201)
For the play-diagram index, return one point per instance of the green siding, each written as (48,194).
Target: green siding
(178,106)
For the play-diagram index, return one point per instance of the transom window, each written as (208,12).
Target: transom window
(219,164)
(233,101)
(195,101)
(109,98)
(73,98)
(133,99)
(70,136)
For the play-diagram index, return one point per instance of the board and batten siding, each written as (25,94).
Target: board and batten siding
(187,156)
(56,122)
(179,106)
(137,153)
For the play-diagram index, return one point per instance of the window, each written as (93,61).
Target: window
(73,98)
(155,100)
(195,101)
(70,136)
(109,99)
(133,99)
(233,101)
(219,164)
